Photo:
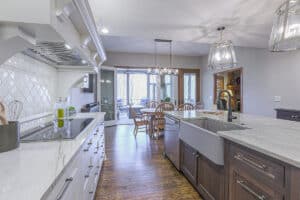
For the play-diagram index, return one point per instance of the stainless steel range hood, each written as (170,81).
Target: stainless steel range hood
(65,32)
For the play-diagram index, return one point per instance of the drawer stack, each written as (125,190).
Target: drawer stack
(79,179)
(254,176)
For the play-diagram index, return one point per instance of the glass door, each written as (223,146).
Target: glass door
(108,94)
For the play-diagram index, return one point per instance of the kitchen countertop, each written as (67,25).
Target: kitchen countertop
(27,172)
(276,138)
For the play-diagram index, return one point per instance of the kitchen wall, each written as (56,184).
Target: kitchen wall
(30,81)
(265,75)
(147,60)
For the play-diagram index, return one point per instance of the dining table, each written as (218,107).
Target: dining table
(151,112)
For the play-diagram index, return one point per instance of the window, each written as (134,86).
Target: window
(152,87)
(122,89)
(190,88)
(168,86)
(137,88)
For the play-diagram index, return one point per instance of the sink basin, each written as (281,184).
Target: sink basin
(214,125)
(202,135)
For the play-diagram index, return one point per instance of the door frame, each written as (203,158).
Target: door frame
(112,122)
(181,84)
(241,87)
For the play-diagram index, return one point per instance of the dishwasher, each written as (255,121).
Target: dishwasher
(171,140)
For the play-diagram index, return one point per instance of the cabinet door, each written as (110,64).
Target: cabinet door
(189,162)
(243,188)
(210,179)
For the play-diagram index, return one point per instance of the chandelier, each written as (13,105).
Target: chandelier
(285,34)
(221,54)
(163,70)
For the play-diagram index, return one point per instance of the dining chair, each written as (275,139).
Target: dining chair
(159,122)
(199,106)
(153,104)
(186,106)
(140,121)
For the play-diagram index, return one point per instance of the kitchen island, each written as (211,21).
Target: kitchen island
(33,170)
(261,160)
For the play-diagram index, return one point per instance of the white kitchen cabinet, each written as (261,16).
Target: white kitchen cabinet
(79,179)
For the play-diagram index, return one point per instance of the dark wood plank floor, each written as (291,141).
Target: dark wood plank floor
(136,169)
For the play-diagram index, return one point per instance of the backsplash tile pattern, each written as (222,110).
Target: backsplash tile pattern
(30,81)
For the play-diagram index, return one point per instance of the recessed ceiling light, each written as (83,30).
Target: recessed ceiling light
(104,30)
(68,46)
(83,61)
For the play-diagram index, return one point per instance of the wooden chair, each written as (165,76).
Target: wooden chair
(140,121)
(152,104)
(166,106)
(186,106)
(159,122)
(199,106)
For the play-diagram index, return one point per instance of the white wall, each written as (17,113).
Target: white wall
(147,60)
(265,75)
(79,98)
(67,77)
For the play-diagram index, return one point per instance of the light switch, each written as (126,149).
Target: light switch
(277,98)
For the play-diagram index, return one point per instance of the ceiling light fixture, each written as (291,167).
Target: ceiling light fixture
(104,30)
(285,34)
(158,69)
(221,54)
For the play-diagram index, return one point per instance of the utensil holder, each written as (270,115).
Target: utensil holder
(9,136)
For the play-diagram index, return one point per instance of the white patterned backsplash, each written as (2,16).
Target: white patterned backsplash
(29,81)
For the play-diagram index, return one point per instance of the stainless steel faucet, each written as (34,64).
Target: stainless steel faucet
(230,117)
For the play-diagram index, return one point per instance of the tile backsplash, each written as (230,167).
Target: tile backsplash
(29,81)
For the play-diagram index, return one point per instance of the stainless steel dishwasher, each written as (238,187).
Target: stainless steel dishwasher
(171,140)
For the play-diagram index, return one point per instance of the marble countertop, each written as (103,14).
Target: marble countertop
(276,138)
(27,172)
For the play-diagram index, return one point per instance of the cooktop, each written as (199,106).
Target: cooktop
(57,130)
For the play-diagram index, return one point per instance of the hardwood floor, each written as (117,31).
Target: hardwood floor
(136,169)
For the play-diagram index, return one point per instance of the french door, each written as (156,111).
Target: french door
(108,94)
(189,86)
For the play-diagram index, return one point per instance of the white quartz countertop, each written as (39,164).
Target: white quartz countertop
(276,138)
(27,172)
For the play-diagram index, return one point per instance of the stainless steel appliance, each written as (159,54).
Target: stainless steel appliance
(69,129)
(171,140)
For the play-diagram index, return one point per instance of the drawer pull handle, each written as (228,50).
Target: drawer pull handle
(263,168)
(87,175)
(64,188)
(251,191)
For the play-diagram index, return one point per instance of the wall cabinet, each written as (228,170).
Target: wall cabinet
(251,175)
(80,177)
(204,175)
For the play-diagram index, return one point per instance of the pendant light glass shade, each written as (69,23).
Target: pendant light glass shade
(285,34)
(222,54)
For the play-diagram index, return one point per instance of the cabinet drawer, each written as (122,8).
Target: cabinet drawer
(60,189)
(265,170)
(244,189)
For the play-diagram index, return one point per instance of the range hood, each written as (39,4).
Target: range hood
(59,32)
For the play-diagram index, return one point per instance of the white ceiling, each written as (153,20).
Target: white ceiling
(248,23)
(139,45)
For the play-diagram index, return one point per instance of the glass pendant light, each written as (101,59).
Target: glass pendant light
(221,54)
(285,34)
(158,69)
